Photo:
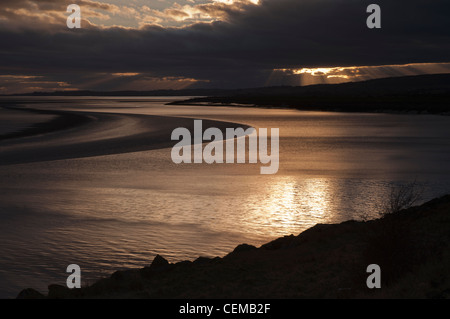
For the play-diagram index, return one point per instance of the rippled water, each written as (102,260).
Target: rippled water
(118,211)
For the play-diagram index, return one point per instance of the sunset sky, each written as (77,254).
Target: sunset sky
(168,44)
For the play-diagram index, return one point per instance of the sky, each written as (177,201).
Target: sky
(176,44)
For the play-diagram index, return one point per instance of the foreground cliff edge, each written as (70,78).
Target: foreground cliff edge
(326,261)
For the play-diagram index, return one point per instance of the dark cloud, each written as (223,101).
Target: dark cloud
(241,52)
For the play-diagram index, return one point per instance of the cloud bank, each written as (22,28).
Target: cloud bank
(239,43)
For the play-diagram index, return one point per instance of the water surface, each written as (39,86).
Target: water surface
(118,211)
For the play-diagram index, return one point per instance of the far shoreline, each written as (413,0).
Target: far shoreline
(305,109)
(423,94)
(77,134)
(63,120)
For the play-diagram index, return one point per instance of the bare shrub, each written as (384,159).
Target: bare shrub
(402,197)
(391,243)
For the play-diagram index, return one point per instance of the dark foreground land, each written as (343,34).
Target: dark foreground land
(411,94)
(327,261)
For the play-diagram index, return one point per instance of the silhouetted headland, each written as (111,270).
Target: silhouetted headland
(413,94)
(327,261)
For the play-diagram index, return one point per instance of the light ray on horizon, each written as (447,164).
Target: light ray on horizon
(334,75)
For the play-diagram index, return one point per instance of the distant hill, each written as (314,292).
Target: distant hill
(187,92)
(421,94)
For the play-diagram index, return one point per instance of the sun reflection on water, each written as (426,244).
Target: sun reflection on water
(293,205)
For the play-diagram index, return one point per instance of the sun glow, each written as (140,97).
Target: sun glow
(256,2)
(125,74)
(330,75)
(318,71)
